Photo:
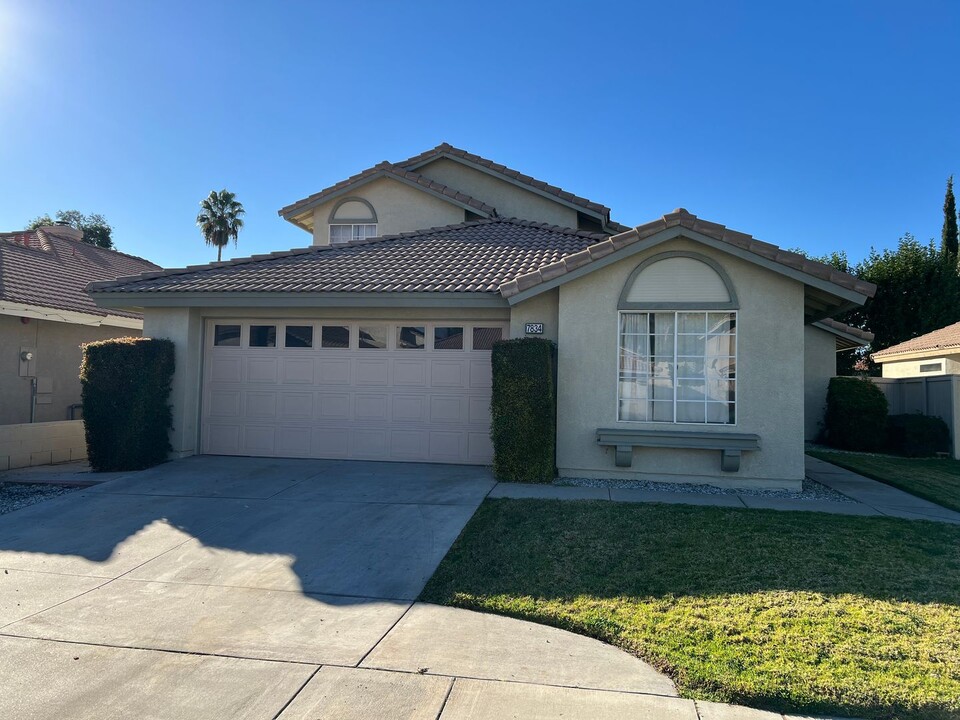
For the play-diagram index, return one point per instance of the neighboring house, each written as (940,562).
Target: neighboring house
(936,353)
(684,348)
(45,315)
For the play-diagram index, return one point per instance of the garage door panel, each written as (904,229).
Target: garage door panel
(330,442)
(261,370)
(225,403)
(447,409)
(409,408)
(403,404)
(410,372)
(259,439)
(222,439)
(370,407)
(333,371)
(260,405)
(447,373)
(372,372)
(408,444)
(226,369)
(297,370)
(369,444)
(333,406)
(296,405)
(294,441)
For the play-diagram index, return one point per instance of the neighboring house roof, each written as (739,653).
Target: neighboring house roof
(848,336)
(43,269)
(680,218)
(474,257)
(388,169)
(946,338)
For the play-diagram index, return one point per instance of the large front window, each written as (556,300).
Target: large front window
(678,367)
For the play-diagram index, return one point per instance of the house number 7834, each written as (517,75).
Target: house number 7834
(534,329)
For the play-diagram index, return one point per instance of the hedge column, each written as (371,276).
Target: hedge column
(524,411)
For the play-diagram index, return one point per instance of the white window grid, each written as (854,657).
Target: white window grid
(341,233)
(669,384)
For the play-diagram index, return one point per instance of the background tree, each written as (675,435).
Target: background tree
(949,238)
(219,219)
(96,230)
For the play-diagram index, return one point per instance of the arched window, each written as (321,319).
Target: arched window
(352,218)
(678,342)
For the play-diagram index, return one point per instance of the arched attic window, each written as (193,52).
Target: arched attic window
(352,218)
(678,342)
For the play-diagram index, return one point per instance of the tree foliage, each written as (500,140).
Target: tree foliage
(220,219)
(918,291)
(95,228)
(949,238)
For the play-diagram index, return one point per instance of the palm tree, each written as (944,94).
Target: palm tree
(219,219)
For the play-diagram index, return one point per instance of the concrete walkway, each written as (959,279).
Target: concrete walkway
(871,498)
(258,588)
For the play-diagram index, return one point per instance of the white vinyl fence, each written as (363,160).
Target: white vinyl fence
(938,396)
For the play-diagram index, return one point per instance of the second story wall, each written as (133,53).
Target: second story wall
(509,199)
(396,207)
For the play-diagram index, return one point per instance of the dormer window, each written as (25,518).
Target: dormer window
(352,219)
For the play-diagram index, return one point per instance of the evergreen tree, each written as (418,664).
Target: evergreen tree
(949,242)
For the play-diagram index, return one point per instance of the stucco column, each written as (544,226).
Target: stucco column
(184,327)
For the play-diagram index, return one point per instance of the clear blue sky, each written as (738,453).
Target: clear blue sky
(821,125)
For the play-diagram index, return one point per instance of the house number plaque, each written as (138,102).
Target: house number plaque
(534,329)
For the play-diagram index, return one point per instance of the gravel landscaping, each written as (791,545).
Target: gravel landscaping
(812,490)
(14,496)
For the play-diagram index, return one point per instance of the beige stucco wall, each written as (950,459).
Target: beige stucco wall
(770,378)
(543,308)
(58,358)
(184,326)
(42,443)
(819,365)
(400,208)
(911,368)
(510,200)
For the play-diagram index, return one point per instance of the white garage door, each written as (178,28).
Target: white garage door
(375,390)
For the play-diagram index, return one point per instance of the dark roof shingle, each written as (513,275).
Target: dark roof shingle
(43,269)
(474,257)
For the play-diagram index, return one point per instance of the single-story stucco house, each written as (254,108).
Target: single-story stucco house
(929,355)
(685,350)
(46,314)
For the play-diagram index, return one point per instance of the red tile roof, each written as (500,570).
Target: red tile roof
(946,338)
(44,269)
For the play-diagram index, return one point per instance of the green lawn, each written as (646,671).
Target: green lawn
(937,480)
(808,612)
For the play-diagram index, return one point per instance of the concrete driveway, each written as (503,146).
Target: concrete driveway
(260,588)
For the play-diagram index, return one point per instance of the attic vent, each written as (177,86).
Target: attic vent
(931,367)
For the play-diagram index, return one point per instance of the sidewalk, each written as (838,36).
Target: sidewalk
(872,498)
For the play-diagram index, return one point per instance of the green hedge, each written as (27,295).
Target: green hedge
(125,387)
(856,417)
(524,411)
(917,435)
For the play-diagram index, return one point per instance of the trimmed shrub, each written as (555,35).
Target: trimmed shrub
(856,417)
(917,435)
(125,388)
(524,410)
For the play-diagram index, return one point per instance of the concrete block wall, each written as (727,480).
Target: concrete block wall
(44,443)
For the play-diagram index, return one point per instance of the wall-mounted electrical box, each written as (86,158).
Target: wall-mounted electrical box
(28,362)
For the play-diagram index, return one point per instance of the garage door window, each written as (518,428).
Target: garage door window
(298,336)
(448,338)
(485,337)
(373,337)
(263,336)
(411,338)
(226,335)
(335,336)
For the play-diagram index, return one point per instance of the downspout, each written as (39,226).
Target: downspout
(33,400)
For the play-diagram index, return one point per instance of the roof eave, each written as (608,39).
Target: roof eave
(146,299)
(848,340)
(622,248)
